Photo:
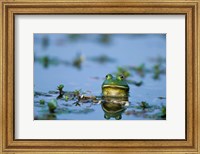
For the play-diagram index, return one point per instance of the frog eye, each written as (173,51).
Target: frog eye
(120,77)
(108,76)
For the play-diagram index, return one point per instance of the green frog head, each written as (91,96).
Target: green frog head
(115,86)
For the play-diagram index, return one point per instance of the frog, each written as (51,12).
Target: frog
(115,86)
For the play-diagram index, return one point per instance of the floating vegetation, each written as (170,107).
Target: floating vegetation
(126,73)
(61,92)
(46,116)
(66,98)
(161,115)
(157,71)
(146,111)
(138,84)
(45,42)
(77,103)
(95,78)
(161,97)
(46,61)
(77,98)
(76,95)
(42,102)
(158,60)
(143,105)
(99,38)
(135,113)
(52,105)
(123,71)
(105,39)
(75,37)
(80,97)
(102,59)
(140,70)
(78,60)
(60,88)
(163,112)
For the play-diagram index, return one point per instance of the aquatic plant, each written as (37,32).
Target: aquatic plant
(80,97)
(123,71)
(158,60)
(78,60)
(163,111)
(77,103)
(45,42)
(77,92)
(102,59)
(46,61)
(46,116)
(66,98)
(143,105)
(52,105)
(42,101)
(60,88)
(105,38)
(74,37)
(61,92)
(159,115)
(138,84)
(140,70)
(157,71)
(137,113)
(160,97)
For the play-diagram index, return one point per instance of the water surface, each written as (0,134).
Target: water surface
(81,62)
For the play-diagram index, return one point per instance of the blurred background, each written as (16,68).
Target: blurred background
(80,62)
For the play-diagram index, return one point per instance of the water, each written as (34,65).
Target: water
(81,62)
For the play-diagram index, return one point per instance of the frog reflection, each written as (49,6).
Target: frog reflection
(114,107)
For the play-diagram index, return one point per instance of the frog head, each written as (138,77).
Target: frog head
(115,86)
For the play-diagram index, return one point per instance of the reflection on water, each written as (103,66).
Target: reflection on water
(113,107)
(69,70)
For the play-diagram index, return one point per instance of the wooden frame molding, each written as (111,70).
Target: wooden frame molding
(10,8)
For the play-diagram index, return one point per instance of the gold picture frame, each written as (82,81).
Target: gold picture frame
(189,8)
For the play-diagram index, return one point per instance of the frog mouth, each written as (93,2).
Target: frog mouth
(115,86)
